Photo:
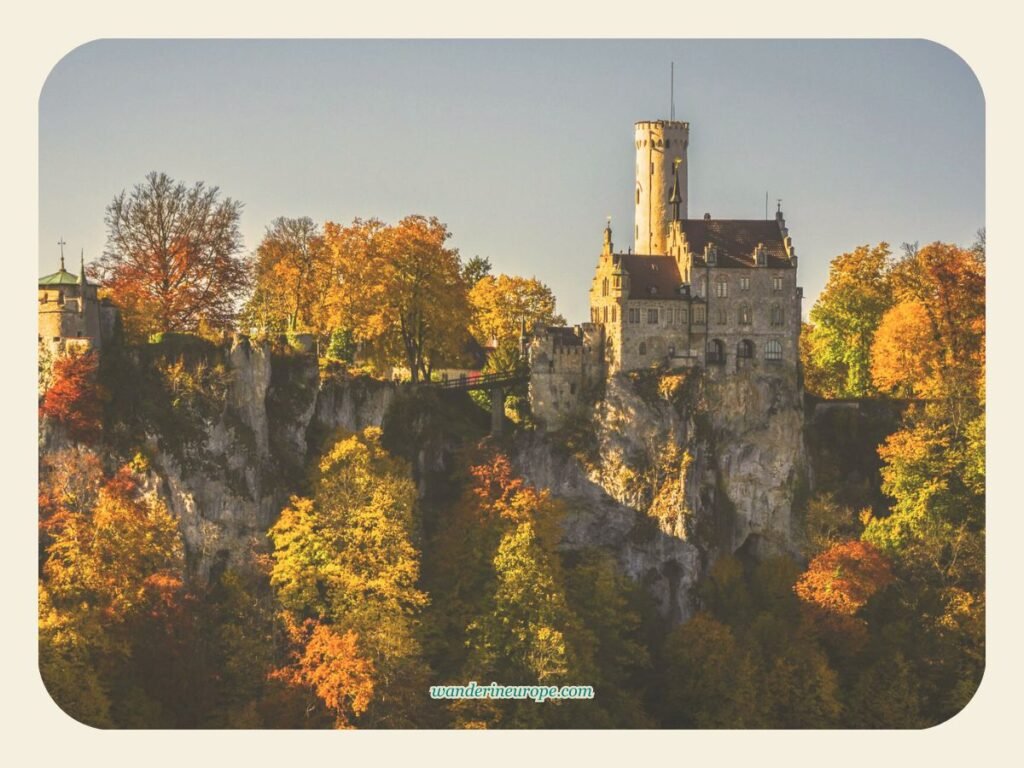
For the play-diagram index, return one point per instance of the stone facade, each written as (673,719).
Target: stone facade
(71,314)
(564,363)
(720,294)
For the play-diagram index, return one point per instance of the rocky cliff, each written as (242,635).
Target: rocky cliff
(672,470)
(668,471)
(255,449)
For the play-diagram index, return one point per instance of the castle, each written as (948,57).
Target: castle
(719,294)
(72,317)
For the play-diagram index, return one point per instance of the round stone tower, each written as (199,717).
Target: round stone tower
(660,160)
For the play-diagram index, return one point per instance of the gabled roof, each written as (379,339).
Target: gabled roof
(60,277)
(651,277)
(736,239)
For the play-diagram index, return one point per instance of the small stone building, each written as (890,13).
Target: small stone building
(71,314)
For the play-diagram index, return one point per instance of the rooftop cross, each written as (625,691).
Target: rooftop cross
(61,243)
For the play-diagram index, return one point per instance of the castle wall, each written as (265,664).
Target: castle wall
(62,317)
(564,365)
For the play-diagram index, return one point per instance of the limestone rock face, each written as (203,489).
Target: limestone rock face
(672,471)
(256,452)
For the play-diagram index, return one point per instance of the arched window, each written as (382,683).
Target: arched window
(773,350)
(745,349)
(776,314)
(605,315)
(745,316)
(716,351)
(613,315)
(643,348)
(604,287)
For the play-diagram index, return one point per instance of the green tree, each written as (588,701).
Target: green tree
(837,348)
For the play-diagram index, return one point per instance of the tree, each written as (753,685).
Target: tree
(905,353)
(344,559)
(170,260)
(840,580)
(292,278)
(111,594)
(74,398)
(401,291)
(501,304)
(844,321)
(475,270)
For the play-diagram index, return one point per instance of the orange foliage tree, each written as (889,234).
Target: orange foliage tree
(328,662)
(842,578)
(73,399)
(401,291)
(171,257)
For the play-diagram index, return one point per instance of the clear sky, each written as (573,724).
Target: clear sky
(522,147)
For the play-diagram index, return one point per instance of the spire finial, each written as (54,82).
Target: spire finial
(61,243)
(672,92)
(81,277)
(607,238)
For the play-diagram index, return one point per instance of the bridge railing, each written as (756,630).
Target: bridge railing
(482,381)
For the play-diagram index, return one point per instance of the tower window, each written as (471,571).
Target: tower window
(643,348)
(604,287)
(699,314)
(776,316)
(721,288)
(773,350)
(745,317)
(613,314)
(777,284)
(744,283)
(606,314)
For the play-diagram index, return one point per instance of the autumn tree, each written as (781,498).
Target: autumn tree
(171,258)
(932,341)
(402,291)
(837,348)
(502,304)
(74,398)
(292,279)
(110,592)
(344,559)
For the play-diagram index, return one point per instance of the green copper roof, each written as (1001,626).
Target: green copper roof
(62,277)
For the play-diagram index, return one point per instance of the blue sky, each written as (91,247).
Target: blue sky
(522,147)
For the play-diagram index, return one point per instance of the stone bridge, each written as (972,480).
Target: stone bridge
(495,383)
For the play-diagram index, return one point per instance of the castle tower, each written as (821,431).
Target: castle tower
(660,160)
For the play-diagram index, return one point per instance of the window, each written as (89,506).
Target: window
(703,287)
(744,283)
(634,315)
(680,316)
(777,284)
(699,314)
(643,348)
(606,314)
(745,349)
(618,281)
(652,317)
(773,350)
(721,288)
(638,195)
(671,350)
(716,351)
(721,318)
(776,315)
(745,315)
(572,388)
(613,315)
(604,287)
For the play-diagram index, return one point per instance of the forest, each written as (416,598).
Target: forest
(365,590)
